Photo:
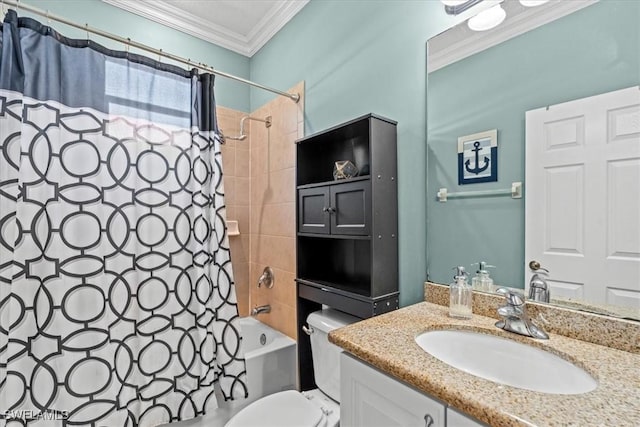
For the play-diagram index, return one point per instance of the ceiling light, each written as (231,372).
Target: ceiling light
(487,19)
(453,2)
(532,3)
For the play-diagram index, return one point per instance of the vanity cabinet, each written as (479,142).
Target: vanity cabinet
(370,398)
(347,229)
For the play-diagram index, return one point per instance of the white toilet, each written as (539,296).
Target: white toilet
(314,408)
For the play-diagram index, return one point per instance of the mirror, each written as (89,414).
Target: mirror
(481,81)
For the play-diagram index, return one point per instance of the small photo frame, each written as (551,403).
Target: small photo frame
(478,157)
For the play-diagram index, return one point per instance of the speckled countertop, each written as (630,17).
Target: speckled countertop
(387,342)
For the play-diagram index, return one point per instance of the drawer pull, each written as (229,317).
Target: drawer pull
(428,420)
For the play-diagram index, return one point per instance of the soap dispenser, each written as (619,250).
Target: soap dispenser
(481,281)
(460,295)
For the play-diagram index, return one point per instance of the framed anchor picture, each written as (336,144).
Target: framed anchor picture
(478,157)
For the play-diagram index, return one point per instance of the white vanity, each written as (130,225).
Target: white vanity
(373,399)
(388,379)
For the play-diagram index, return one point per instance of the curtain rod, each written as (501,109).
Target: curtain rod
(127,41)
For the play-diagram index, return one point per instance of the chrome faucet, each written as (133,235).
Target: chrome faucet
(260,309)
(538,287)
(515,317)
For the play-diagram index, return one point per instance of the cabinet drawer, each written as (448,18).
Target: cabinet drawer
(369,398)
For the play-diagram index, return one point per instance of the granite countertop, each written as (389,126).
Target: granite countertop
(387,342)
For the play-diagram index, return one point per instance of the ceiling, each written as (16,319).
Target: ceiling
(243,26)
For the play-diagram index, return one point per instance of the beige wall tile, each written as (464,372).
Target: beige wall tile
(282,150)
(278,220)
(230,190)
(241,278)
(242,162)
(272,208)
(239,246)
(243,193)
(228,161)
(276,187)
(278,252)
(241,214)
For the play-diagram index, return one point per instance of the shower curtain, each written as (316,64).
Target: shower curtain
(117,303)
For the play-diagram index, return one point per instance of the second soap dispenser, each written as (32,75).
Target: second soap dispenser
(481,281)
(460,296)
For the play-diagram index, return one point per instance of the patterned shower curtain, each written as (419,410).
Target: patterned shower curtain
(117,303)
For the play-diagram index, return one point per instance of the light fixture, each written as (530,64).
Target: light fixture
(456,7)
(487,19)
(532,3)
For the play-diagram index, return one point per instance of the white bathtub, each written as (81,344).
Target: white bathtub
(270,358)
(271,367)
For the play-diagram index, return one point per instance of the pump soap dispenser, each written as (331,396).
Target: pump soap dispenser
(481,281)
(460,295)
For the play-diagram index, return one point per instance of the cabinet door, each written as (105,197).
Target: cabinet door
(351,213)
(313,210)
(369,398)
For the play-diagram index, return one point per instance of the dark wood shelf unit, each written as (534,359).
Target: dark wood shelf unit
(347,230)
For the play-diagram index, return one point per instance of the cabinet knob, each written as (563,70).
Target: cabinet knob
(428,420)
(325,209)
(331,209)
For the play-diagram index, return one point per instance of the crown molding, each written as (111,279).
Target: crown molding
(478,41)
(273,22)
(173,17)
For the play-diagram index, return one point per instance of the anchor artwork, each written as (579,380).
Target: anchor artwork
(478,157)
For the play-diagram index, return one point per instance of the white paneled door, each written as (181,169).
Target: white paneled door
(583,196)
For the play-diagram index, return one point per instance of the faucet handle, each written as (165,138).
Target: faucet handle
(512,298)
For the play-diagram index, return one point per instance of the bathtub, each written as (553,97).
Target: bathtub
(270,358)
(271,367)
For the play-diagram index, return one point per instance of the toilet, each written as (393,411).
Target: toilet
(315,408)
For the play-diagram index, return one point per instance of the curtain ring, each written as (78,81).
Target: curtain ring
(128,44)
(86,28)
(160,56)
(48,18)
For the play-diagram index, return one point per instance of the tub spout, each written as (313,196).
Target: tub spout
(260,309)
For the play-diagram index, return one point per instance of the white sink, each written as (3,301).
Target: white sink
(506,362)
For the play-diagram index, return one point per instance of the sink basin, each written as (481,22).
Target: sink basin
(506,362)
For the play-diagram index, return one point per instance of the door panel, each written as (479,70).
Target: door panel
(352,208)
(373,399)
(313,214)
(583,196)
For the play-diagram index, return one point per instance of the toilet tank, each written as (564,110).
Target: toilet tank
(326,356)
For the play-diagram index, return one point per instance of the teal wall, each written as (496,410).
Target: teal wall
(592,51)
(358,57)
(117,21)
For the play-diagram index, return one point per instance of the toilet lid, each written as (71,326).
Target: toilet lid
(284,409)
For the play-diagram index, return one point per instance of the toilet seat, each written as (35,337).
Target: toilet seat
(284,409)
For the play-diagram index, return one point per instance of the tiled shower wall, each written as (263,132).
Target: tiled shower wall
(235,164)
(273,208)
(259,179)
